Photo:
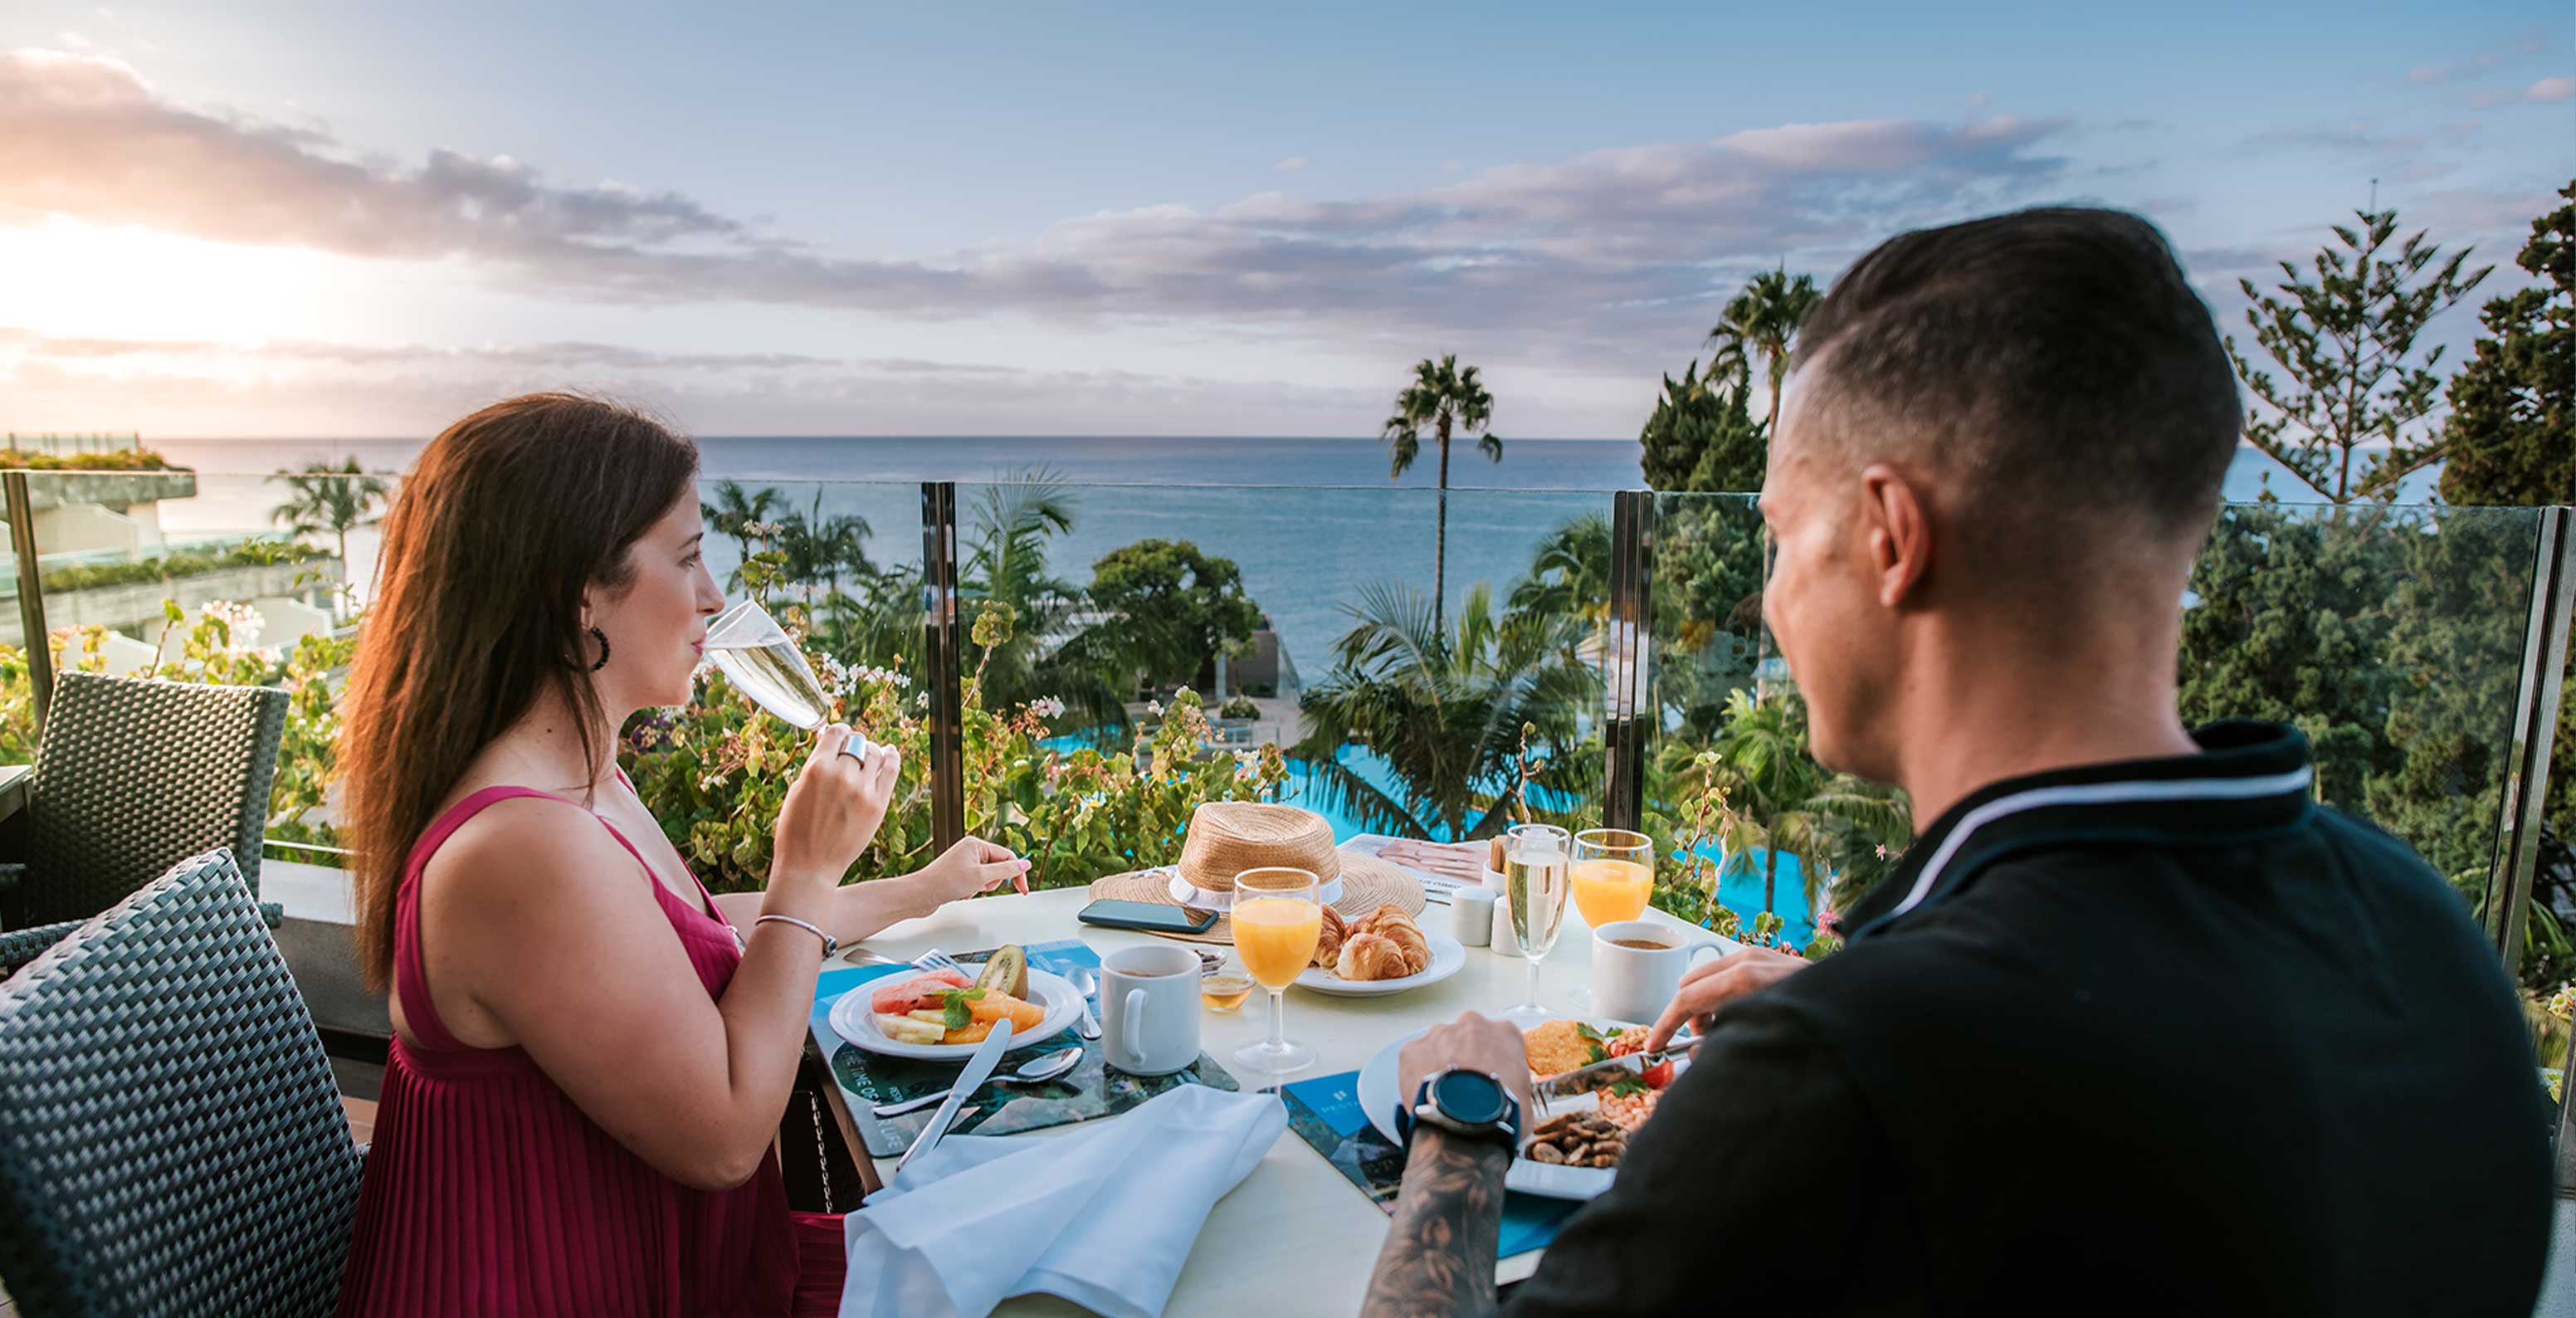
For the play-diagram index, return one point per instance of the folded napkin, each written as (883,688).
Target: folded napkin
(1103,1216)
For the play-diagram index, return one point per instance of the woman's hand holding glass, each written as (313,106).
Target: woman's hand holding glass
(831,814)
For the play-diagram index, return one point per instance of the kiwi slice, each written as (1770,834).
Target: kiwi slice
(1007,971)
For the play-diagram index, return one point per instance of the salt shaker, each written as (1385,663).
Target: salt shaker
(1471,916)
(1500,937)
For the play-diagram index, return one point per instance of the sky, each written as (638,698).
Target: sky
(289,220)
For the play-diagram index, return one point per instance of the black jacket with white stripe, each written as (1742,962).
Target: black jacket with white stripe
(2159,1037)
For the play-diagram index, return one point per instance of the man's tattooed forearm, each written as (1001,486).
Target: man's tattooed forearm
(1439,1256)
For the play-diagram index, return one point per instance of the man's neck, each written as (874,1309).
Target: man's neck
(1994,716)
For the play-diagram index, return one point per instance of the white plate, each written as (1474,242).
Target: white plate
(1447,956)
(1548,1180)
(854,1020)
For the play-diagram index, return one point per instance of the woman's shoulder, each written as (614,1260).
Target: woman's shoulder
(516,833)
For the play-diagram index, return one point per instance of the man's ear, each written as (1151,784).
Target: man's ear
(1897,530)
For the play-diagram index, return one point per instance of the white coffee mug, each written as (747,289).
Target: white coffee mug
(1637,983)
(1149,1009)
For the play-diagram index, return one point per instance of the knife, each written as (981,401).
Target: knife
(979,1068)
(1585,1079)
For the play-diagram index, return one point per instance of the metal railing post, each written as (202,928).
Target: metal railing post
(2535,721)
(1628,725)
(31,595)
(942,663)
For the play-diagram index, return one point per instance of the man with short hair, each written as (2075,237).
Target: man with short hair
(2136,1026)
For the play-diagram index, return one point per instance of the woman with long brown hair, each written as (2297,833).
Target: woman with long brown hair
(591,1052)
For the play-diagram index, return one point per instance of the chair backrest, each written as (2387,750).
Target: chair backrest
(171,1139)
(131,773)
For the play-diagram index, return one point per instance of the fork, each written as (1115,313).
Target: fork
(934,959)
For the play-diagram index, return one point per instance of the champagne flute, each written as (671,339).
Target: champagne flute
(1278,918)
(1535,882)
(1613,878)
(763,663)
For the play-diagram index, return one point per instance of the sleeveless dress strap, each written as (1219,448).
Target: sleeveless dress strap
(411,982)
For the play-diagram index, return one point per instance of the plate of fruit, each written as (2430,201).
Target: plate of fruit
(941,1015)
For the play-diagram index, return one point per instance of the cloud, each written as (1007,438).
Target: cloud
(1591,254)
(2550,89)
(1289,166)
(198,388)
(2530,41)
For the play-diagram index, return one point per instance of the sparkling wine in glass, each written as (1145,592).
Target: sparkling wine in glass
(1278,918)
(761,661)
(1537,881)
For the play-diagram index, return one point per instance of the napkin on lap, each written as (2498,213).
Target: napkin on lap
(1103,1216)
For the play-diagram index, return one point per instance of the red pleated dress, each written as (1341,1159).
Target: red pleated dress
(489,1193)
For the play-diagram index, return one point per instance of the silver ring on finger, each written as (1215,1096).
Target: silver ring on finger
(856,748)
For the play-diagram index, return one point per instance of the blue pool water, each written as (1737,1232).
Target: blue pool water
(1741,893)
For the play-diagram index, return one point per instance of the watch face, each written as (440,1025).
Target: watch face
(1468,1096)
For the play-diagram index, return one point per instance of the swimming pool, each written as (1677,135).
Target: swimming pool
(1740,893)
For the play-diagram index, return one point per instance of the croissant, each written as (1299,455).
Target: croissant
(1407,937)
(1368,956)
(1376,920)
(1328,945)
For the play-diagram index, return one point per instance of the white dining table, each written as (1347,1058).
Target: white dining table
(1295,1237)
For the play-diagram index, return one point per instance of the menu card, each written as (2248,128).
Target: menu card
(1089,1090)
(1325,1112)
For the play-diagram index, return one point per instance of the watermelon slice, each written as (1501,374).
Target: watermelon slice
(917,992)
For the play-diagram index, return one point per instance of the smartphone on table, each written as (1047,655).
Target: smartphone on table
(1153,918)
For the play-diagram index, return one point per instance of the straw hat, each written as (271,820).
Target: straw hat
(1226,838)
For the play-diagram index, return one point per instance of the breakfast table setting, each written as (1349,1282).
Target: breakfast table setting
(1173,1090)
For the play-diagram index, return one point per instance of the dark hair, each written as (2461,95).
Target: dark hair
(2055,362)
(492,537)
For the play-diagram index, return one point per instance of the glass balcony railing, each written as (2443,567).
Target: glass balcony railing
(1118,653)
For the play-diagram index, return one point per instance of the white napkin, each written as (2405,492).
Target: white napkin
(1103,1215)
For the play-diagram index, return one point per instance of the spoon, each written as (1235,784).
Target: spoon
(1086,984)
(1031,1072)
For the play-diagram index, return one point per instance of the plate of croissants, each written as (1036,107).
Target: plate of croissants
(1381,952)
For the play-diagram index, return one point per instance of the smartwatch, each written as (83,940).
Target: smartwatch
(1463,1102)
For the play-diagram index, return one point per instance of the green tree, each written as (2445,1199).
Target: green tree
(2512,432)
(1445,707)
(734,514)
(2347,342)
(330,499)
(1778,799)
(1761,322)
(1450,400)
(1170,608)
(1009,528)
(1569,573)
(1702,435)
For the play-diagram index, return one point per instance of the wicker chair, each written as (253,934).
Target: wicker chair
(171,1140)
(131,773)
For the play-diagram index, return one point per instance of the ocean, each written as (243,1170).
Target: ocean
(1310,521)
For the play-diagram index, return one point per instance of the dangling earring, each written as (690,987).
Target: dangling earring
(601,637)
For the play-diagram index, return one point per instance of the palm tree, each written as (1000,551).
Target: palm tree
(325,499)
(1569,572)
(1779,799)
(1761,321)
(818,548)
(1448,400)
(734,513)
(1444,707)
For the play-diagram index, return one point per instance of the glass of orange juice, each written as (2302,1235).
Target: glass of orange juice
(1278,916)
(1613,877)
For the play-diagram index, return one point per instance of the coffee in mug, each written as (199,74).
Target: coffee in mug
(1637,967)
(1149,1009)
